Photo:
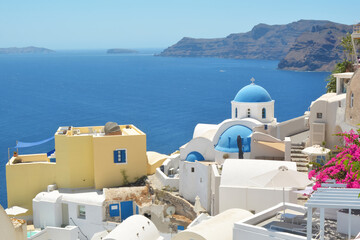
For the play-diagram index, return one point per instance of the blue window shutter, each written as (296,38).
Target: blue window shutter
(123,156)
(116,158)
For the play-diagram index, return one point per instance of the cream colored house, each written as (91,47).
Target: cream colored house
(86,157)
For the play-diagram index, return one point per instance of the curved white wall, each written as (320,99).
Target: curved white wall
(135,227)
(248,122)
(201,145)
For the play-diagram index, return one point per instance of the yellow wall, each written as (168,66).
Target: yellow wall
(108,173)
(25,180)
(82,161)
(74,161)
(154,160)
(42,157)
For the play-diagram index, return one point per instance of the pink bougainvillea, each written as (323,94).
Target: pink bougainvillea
(345,166)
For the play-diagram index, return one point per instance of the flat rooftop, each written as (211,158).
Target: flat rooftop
(97,131)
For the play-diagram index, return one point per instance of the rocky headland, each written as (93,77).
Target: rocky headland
(305,45)
(15,50)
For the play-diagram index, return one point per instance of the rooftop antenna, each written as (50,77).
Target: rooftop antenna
(252,80)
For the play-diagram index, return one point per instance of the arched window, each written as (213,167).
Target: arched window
(352,100)
(263,113)
(248,112)
(235,112)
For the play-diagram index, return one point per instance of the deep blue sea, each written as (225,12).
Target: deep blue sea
(163,96)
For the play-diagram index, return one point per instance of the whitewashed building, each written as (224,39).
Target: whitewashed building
(246,135)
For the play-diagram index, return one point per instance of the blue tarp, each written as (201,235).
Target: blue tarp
(31,144)
(51,152)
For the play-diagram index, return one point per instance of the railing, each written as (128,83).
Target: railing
(79,228)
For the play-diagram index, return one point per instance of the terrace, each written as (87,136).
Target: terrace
(289,222)
(96,131)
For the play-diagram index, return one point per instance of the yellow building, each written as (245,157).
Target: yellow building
(86,157)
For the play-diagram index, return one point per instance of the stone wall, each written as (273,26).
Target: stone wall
(182,207)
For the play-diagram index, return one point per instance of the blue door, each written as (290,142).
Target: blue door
(127,209)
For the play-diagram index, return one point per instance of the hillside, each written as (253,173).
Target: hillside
(317,50)
(273,42)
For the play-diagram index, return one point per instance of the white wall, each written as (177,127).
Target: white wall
(201,145)
(252,198)
(171,162)
(255,110)
(47,214)
(258,150)
(93,222)
(215,184)
(187,188)
(197,183)
(247,229)
(203,187)
(291,127)
(55,233)
(219,156)
(258,233)
(165,180)
(238,191)
(248,122)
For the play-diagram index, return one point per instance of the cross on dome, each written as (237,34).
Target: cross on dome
(252,80)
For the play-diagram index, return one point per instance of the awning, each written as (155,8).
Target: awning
(278,146)
(31,144)
(316,150)
(15,210)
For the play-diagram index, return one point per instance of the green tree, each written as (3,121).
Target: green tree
(346,43)
(345,66)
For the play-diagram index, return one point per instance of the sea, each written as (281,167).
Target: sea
(165,97)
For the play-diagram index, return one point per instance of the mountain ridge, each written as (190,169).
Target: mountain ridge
(272,42)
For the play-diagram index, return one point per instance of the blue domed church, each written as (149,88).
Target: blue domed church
(246,135)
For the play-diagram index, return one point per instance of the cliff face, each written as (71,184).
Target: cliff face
(14,50)
(317,50)
(273,42)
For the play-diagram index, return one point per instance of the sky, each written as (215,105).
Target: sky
(103,24)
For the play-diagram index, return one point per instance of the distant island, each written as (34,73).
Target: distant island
(120,51)
(15,50)
(305,45)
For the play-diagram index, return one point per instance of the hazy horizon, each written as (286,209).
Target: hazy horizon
(91,24)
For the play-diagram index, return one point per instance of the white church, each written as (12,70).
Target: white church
(244,136)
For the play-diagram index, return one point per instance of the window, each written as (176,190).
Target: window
(320,160)
(81,212)
(265,126)
(263,113)
(352,100)
(120,156)
(114,210)
(192,169)
(248,112)
(319,115)
(235,112)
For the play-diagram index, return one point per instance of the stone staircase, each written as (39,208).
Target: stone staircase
(301,163)
(300,158)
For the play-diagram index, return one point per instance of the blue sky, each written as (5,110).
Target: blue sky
(95,24)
